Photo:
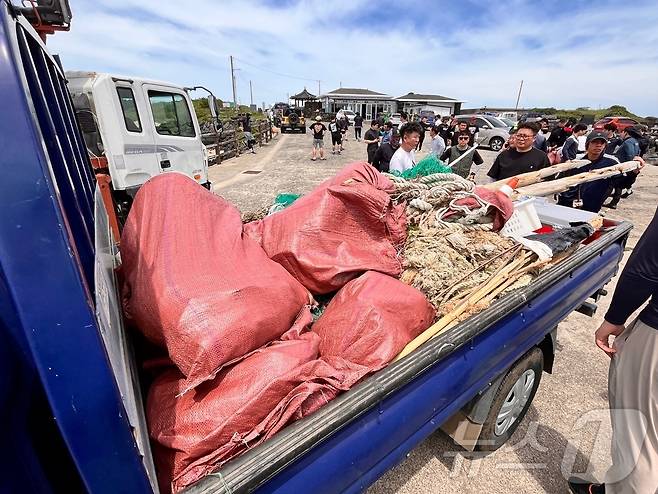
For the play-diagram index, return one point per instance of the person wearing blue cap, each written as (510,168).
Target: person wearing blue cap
(590,196)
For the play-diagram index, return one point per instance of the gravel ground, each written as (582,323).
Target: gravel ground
(571,404)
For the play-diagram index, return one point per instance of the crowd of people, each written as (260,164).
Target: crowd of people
(530,147)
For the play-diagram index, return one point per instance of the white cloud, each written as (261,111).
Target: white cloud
(480,62)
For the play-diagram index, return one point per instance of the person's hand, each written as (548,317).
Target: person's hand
(640,160)
(603,334)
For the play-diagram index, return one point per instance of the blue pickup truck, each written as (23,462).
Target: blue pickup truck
(71,393)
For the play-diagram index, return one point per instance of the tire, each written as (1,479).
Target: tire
(496,143)
(304,130)
(512,400)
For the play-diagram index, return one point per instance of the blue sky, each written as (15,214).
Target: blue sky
(569,54)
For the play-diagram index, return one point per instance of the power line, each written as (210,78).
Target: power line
(275,72)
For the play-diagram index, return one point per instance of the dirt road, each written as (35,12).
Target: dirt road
(571,403)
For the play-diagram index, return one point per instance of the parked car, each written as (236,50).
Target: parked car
(511,123)
(493,131)
(621,122)
(293,119)
(395,119)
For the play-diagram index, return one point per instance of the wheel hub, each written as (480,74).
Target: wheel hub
(515,402)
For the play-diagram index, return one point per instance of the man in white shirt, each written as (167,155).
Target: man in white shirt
(404,158)
(438,144)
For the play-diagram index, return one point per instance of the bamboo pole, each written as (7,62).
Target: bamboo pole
(562,184)
(448,291)
(530,178)
(490,285)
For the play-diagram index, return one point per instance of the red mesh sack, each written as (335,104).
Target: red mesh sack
(244,405)
(344,227)
(195,285)
(371,319)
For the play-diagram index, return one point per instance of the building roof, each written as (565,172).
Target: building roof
(425,97)
(304,95)
(354,91)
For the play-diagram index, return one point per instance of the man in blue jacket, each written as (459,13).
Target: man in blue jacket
(591,195)
(629,149)
(633,378)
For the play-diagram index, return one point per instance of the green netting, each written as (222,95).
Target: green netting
(282,201)
(286,199)
(427,166)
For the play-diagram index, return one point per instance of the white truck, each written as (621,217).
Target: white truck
(137,128)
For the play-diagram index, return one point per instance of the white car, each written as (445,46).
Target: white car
(493,132)
(395,119)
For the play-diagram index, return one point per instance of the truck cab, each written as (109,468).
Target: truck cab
(137,128)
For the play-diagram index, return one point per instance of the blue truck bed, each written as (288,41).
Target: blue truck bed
(70,397)
(349,443)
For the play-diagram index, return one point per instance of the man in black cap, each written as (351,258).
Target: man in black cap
(590,196)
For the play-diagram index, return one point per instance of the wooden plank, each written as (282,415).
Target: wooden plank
(539,175)
(563,184)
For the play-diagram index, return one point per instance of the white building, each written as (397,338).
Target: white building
(371,104)
(363,101)
(440,105)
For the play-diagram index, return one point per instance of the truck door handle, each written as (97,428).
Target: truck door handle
(165,164)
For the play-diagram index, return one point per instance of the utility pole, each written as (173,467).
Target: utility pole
(319,92)
(251,95)
(235,99)
(518,98)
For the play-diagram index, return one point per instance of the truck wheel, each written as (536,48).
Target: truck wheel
(496,143)
(512,401)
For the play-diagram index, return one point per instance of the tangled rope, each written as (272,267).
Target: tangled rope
(429,198)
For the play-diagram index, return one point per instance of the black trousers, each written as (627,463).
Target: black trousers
(420,141)
(371,154)
(357,132)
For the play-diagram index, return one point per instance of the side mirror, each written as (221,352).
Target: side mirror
(212,104)
(486,127)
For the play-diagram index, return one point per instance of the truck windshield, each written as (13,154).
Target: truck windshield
(171,114)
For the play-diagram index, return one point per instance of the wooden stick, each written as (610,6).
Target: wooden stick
(449,290)
(562,184)
(514,278)
(539,175)
(516,249)
(442,323)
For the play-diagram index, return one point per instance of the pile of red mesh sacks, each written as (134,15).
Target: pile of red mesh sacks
(194,285)
(237,325)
